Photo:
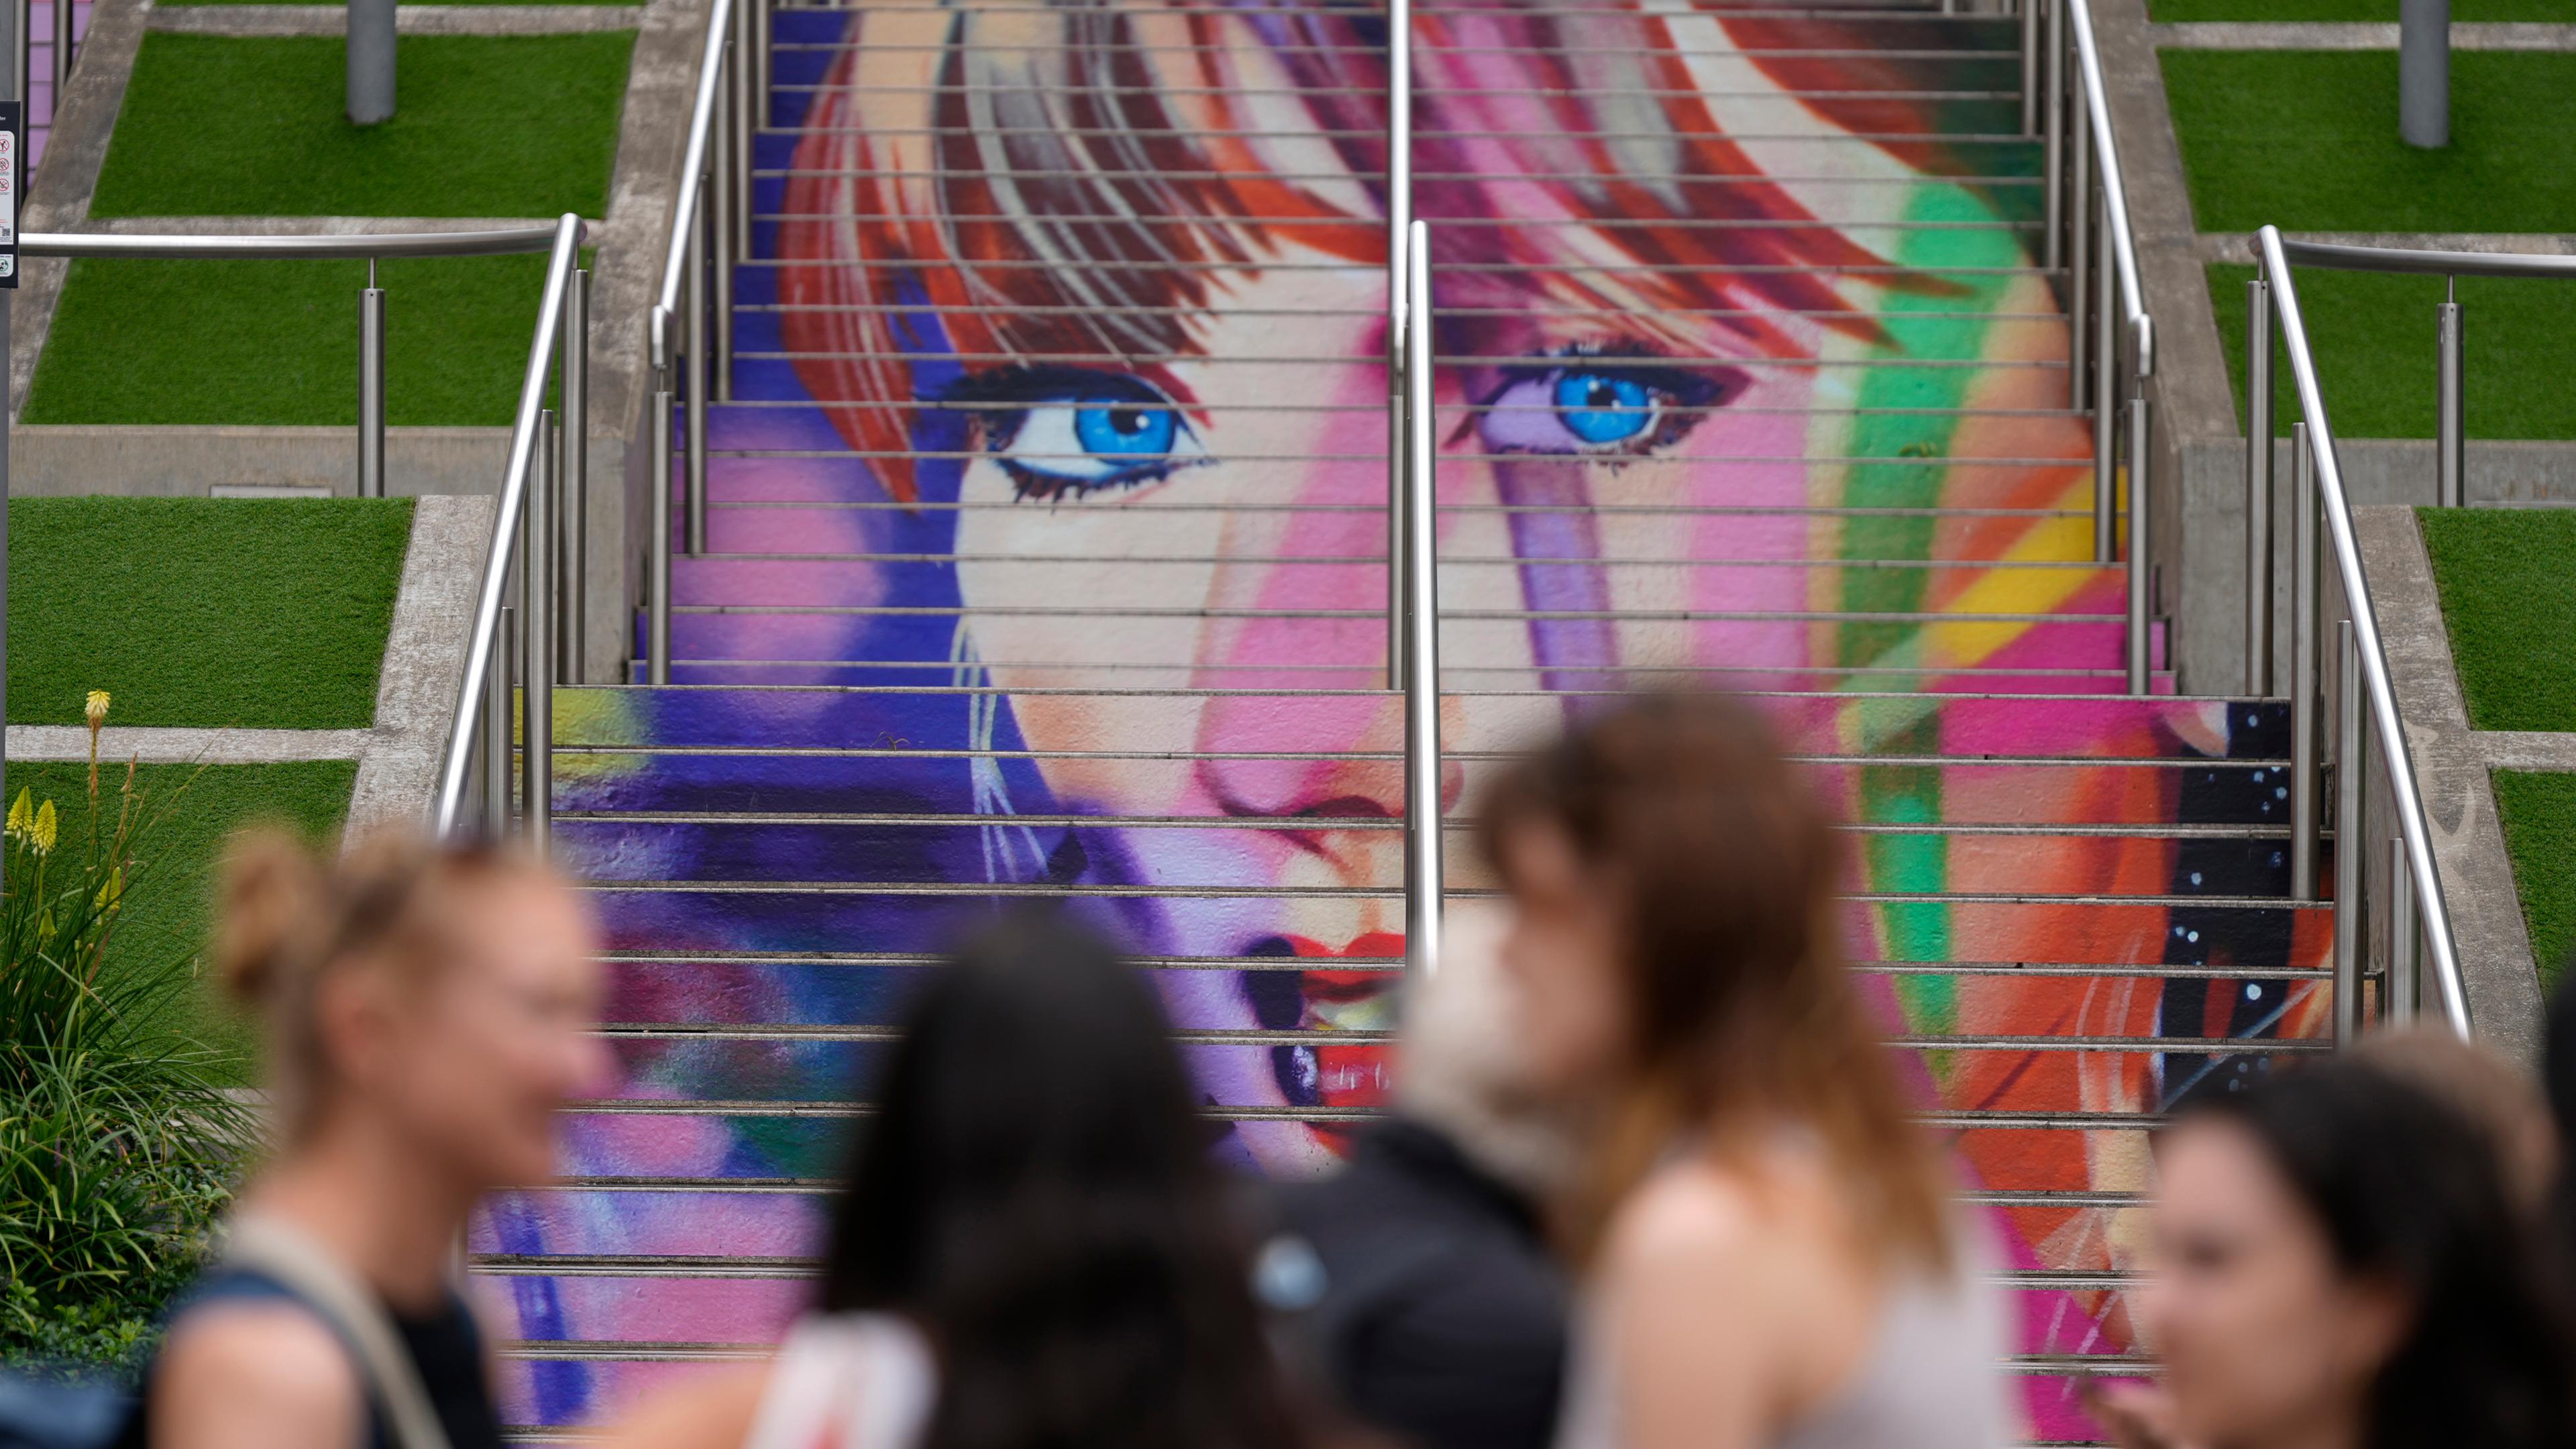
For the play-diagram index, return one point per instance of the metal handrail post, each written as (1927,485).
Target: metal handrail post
(2451,432)
(693,354)
(658,640)
(2079,254)
(2106,379)
(536,758)
(1399,280)
(2030,59)
(2433,910)
(2141,572)
(500,742)
(739,123)
(62,51)
(371,379)
(2303,664)
(1423,877)
(2258,487)
(2348,920)
(2405,980)
(26,52)
(764,21)
(724,204)
(575,529)
(2052,124)
(516,481)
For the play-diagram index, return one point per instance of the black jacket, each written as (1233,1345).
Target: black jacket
(1438,1315)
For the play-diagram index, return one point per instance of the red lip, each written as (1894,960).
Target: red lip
(1355,1075)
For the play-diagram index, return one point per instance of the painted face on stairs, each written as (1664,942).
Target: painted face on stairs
(1136,289)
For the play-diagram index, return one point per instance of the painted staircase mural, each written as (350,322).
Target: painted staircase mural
(1045,558)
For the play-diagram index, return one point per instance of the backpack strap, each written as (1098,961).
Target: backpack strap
(295,1262)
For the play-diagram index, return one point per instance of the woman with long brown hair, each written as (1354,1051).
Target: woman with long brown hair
(1771,1255)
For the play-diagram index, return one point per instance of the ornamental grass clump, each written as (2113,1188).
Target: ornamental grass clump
(117,1143)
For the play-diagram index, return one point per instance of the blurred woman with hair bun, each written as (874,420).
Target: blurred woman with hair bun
(428,1008)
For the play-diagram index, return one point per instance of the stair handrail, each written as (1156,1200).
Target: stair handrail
(2371,709)
(1418,545)
(2115,192)
(707,204)
(2118,288)
(527,526)
(1399,282)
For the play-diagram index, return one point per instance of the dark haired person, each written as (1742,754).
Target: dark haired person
(2340,1263)
(1425,1294)
(428,1011)
(1771,1255)
(1033,1249)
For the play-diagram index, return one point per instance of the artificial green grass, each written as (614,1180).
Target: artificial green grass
(2307,140)
(141,340)
(2509,602)
(516,125)
(193,809)
(213,612)
(2381,11)
(2376,352)
(2539,813)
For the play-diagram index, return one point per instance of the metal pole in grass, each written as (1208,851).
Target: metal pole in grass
(2424,72)
(2451,423)
(371,387)
(371,61)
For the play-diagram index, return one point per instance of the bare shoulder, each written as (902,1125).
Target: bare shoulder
(1688,1214)
(237,1375)
(711,1410)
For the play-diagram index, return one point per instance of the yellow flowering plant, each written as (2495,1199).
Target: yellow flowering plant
(117,1139)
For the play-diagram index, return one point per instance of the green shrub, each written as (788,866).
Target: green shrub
(116,1141)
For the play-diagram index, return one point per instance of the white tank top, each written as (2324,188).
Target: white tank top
(847,1381)
(1930,1380)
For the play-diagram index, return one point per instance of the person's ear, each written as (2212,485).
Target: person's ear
(352,1025)
(2376,1316)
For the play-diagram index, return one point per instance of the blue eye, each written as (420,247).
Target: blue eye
(1580,406)
(1126,432)
(1600,407)
(1066,432)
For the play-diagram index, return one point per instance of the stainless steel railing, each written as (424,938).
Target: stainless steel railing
(531,542)
(1399,235)
(710,231)
(2111,347)
(1418,545)
(491,242)
(2418,919)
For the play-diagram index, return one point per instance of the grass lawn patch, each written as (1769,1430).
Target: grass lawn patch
(2375,346)
(2509,602)
(515,125)
(267,613)
(271,340)
(2539,813)
(2307,140)
(2381,11)
(194,808)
